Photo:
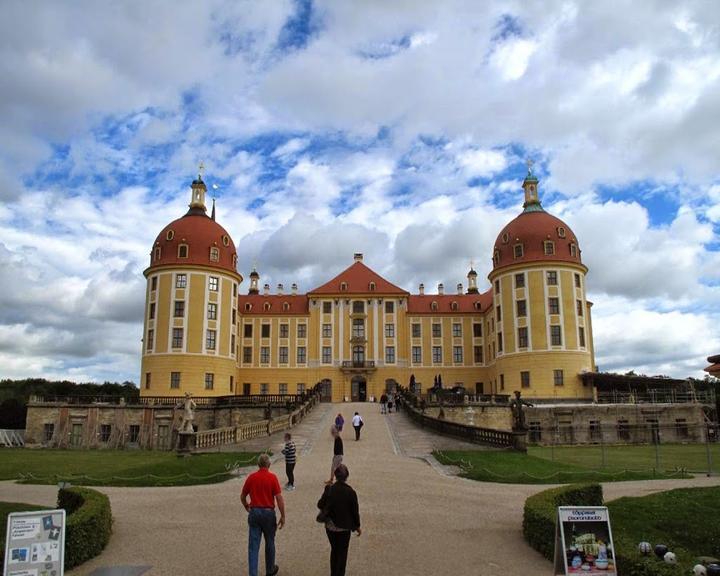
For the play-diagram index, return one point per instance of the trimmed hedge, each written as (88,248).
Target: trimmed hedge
(540,513)
(89,523)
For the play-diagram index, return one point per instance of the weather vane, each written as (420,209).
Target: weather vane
(529,164)
(201,169)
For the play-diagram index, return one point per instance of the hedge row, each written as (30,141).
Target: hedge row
(88,524)
(540,514)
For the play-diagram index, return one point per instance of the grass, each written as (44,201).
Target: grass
(685,520)
(119,467)
(518,468)
(691,457)
(5,509)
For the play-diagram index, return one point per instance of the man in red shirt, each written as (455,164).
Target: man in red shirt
(264,491)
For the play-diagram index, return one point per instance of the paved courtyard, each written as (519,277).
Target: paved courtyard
(416,518)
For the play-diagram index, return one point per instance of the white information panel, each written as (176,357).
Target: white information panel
(583,542)
(35,543)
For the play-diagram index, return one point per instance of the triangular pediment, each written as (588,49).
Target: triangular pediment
(358,279)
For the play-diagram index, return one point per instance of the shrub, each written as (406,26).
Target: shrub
(88,523)
(540,513)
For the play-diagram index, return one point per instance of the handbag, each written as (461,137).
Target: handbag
(322,516)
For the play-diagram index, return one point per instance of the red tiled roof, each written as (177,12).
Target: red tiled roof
(713,369)
(466,303)
(358,278)
(280,305)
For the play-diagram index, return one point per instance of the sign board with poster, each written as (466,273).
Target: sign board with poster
(35,543)
(583,542)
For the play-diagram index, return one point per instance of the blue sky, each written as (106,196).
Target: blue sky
(396,129)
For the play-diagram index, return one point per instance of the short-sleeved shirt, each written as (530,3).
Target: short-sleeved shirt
(262,486)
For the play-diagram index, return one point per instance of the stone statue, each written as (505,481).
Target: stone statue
(517,404)
(188,414)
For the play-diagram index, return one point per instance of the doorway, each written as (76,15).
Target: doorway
(358,389)
(326,390)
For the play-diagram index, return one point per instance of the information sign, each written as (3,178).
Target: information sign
(583,542)
(35,543)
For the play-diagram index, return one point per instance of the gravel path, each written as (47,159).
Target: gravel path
(415,520)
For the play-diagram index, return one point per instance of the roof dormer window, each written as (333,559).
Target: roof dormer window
(453,306)
(505,238)
(158,253)
(214,254)
(343,286)
(266,306)
(476,305)
(183,251)
(549,248)
(573,250)
(248,306)
(226,240)
(170,234)
(518,251)
(372,286)
(561,232)
(496,257)
(434,305)
(286,306)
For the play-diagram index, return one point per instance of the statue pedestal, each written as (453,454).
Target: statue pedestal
(186,443)
(520,440)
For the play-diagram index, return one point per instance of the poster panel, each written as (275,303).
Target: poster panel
(35,543)
(583,543)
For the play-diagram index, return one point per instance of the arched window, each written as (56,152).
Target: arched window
(286,306)
(477,305)
(434,305)
(496,257)
(518,251)
(158,252)
(214,254)
(343,286)
(234,260)
(183,251)
(573,250)
(248,306)
(454,306)
(266,306)
(372,286)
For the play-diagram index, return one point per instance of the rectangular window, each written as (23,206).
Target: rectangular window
(389,330)
(500,342)
(558,379)
(555,335)
(497,286)
(326,355)
(389,354)
(181,281)
(579,307)
(437,354)
(623,429)
(389,307)
(177,339)
(498,313)
(327,330)
(150,339)
(477,330)
(681,428)
(525,379)
(301,355)
(153,283)
(549,248)
(577,281)
(416,330)
(105,431)
(457,330)
(551,277)
(478,354)
(210,339)
(416,354)
(265,331)
(209,381)
(522,337)
(520,280)
(518,251)
(213,283)
(247,330)
(133,433)
(284,330)
(457,354)
(174,380)
(594,431)
(502,381)
(264,354)
(358,307)
(521,306)
(553,305)
(247,354)
(179,308)
(232,344)
(358,328)
(581,336)
(436,330)
(49,429)
(282,388)
(234,289)
(301,388)
(212,311)
(283,355)
(152,311)
(264,388)
(302,330)
(327,307)
(234,316)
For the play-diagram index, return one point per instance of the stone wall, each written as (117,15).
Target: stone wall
(494,417)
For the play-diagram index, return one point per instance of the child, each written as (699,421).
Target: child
(290,458)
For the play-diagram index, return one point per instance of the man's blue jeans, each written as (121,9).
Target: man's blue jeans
(262,522)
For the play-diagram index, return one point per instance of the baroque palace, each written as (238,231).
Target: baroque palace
(360,335)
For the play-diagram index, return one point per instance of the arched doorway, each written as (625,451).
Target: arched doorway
(326,390)
(391,386)
(358,389)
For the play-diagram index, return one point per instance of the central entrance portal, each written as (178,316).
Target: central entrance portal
(358,389)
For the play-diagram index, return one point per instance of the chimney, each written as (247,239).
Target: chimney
(422,289)
(266,289)
(280,289)
(294,288)
(441,289)
(358,256)
(459,288)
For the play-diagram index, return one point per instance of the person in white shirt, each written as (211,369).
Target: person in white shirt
(357,423)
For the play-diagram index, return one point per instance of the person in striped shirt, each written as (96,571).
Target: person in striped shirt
(290,459)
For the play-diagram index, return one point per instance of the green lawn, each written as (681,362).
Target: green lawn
(118,467)
(691,457)
(685,520)
(5,509)
(517,468)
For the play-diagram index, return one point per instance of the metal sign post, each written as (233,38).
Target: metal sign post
(35,543)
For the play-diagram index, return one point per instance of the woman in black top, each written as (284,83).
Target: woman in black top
(337,452)
(339,502)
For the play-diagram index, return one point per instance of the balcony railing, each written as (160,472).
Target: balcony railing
(359,364)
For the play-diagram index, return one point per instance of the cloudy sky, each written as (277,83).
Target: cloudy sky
(394,128)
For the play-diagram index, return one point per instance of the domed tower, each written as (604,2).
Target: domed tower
(540,318)
(189,342)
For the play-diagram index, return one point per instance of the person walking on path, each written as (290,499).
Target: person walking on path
(383,403)
(290,459)
(339,503)
(357,423)
(337,452)
(339,421)
(263,489)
